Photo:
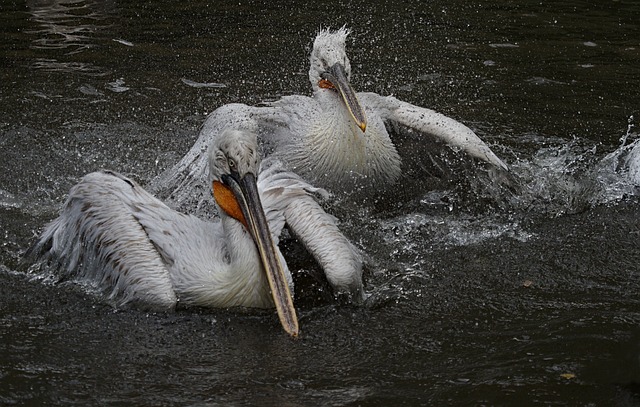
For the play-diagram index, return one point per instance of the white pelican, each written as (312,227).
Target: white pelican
(119,238)
(336,139)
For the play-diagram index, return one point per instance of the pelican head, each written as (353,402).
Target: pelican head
(234,161)
(330,70)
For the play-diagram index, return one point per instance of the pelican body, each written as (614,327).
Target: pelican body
(336,139)
(119,238)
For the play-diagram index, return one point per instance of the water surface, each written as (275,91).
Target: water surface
(477,296)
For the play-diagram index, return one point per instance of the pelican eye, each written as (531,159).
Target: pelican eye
(232,164)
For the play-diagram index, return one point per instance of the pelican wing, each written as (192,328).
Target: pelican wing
(115,236)
(289,200)
(185,186)
(427,121)
(98,240)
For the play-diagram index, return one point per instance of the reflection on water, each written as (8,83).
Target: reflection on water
(61,25)
(79,67)
(70,26)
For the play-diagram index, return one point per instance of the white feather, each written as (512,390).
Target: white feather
(318,139)
(114,235)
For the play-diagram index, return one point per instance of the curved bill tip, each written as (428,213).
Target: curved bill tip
(293,330)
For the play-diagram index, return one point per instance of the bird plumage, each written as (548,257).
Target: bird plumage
(114,235)
(336,139)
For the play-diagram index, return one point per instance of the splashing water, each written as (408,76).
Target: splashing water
(625,160)
(574,177)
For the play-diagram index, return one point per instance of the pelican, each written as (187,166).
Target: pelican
(119,238)
(336,139)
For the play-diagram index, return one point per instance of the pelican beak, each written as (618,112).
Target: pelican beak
(245,190)
(337,76)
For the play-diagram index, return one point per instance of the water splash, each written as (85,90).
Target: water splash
(8,200)
(413,231)
(625,160)
(574,176)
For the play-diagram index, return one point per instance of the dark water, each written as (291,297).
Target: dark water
(477,298)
